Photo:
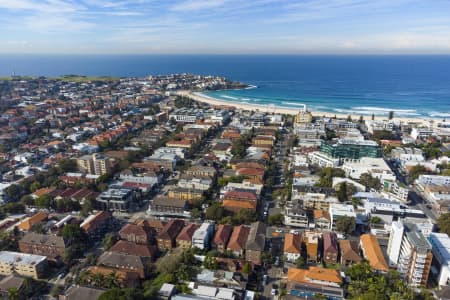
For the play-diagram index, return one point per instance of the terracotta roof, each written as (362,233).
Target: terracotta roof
(223,234)
(33,220)
(292,243)
(43,191)
(124,276)
(238,238)
(131,248)
(349,250)
(234,194)
(373,253)
(314,273)
(187,232)
(133,229)
(321,214)
(99,219)
(239,204)
(250,172)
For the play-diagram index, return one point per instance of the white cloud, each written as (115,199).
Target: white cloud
(191,5)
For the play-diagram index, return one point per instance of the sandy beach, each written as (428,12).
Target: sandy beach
(289,111)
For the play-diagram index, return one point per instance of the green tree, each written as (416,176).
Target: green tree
(370,182)
(327,174)
(416,171)
(214,212)
(444,223)
(247,268)
(345,191)
(276,220)
(122,294)
(300,262)
(210,262)
(345,224)
(109,240)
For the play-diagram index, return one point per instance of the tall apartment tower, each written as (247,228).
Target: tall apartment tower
(410,251)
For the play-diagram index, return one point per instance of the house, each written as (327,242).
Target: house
(330,247)
(238,240)
(315,281)
(51,246)
(123,262)
(255,244)
(372,252)
(203,235)
(292,246)
(29,222)
(236,200)
(76,292)
(322,219)
(184,238)
(311,240)
(222,236)
(201,171)
(28,265)
(167,237)
(255,176)
(349,252)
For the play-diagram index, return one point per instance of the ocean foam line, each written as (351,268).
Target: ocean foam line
(293,103)
(382,109)
(229,97)
(367,112)
(250,86)
(438,114)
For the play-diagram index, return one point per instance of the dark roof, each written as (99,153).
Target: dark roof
(11,281)
(84,293)
(43,239)
(257,237)
(330,242)
(120,260)
(171,229)
(166,201)
(223,234)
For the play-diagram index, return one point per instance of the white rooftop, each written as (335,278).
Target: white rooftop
(20,258)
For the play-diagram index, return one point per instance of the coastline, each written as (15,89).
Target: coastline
(199,97)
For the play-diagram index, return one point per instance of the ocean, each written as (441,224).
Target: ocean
(409,85)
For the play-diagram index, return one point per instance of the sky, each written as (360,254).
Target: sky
(225,26)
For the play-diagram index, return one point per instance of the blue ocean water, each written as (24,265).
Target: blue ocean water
(409,85)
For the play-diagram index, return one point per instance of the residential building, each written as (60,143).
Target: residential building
(76,292)
(95,225)
(185,194)
(167,237)
(322,219)
(349,252)
(311,241)
(222,236)
(339,210)
(351,149)
(315,281)
(28,265)
(96,164)
(238,240)
(440,246)
(410,252)
(372,252)
(130,248)
(323,160)
(12,282)
(29,222)
(123,262)
(256,242)
(330,247)
(184,238)
(292,246)
(51,246)
(295,215)
(202,236)
(165,206)
(118,198)
(139,234)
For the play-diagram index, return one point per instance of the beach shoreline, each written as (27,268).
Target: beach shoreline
(200,97)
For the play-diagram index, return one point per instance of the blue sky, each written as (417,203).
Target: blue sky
(225,26)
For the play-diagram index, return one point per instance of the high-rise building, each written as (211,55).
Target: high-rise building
(96,164)
(410,251)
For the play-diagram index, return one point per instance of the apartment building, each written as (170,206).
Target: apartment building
(28,265)
(409,250)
